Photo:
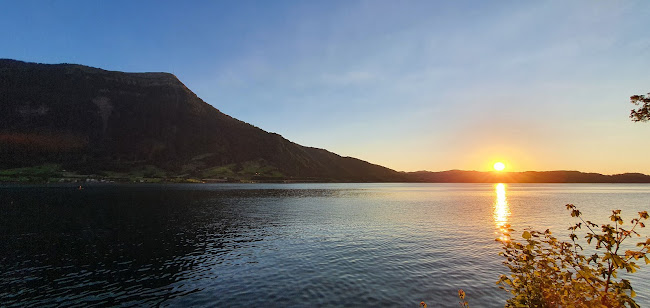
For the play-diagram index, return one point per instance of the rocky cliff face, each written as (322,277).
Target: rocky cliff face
(92,119)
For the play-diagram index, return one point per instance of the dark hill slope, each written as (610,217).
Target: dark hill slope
(92,120)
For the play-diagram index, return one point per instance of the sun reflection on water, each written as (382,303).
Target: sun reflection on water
(501,211)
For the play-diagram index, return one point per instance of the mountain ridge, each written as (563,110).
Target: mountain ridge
(556,176)
(97,119)
(116,124)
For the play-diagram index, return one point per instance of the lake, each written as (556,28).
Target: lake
(280,245)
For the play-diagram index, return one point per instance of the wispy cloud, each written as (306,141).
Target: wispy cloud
(350,78)
(356,76)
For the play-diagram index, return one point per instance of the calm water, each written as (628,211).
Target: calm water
(264,245)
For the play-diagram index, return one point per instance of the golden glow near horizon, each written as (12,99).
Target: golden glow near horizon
(501,211)
(499,166)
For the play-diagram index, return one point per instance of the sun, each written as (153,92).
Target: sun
(499,166)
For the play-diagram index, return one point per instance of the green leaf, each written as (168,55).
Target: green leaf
(526,235)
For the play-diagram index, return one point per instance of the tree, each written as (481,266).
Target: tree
(547,272)
(643,113)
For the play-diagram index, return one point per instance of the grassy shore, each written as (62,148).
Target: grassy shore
(54,173)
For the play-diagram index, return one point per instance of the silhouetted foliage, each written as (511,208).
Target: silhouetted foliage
(643,113)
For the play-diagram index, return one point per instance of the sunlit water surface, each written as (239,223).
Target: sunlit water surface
(282,245)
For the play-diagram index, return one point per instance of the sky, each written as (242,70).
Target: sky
(410,85)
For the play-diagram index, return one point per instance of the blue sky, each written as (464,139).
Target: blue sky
(411,85)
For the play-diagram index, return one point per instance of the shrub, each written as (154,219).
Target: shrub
(547,272)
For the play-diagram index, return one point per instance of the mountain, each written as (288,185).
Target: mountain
(92,120)
(460,176)
(58,118)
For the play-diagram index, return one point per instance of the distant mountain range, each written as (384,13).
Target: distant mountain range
(460,176)
(89,121)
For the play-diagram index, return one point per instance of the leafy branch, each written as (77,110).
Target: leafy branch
(643,113)
(547,272)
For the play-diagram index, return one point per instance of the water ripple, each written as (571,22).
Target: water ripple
(275,245)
